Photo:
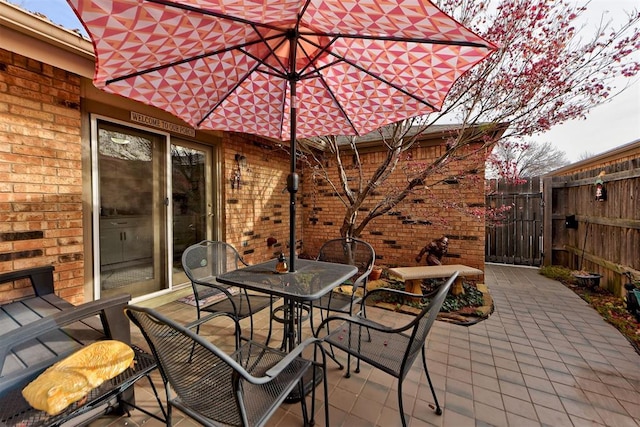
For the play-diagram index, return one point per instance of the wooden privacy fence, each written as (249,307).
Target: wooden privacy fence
(596,236)
(517,237)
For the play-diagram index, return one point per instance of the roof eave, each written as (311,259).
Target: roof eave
(30,35)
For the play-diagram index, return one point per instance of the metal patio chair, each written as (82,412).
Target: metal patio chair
(202,263)
(349,251)
(243,388)
(390,349)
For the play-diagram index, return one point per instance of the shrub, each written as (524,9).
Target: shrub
(558,272)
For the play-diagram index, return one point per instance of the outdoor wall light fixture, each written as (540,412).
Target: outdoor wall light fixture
(236,176)
(241,160)
(601,191)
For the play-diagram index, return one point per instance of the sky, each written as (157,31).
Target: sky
(606,126)
(610,125)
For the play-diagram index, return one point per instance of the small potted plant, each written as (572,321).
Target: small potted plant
(376,273)
(587,278)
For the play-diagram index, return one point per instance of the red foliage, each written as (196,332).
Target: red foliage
(547,71)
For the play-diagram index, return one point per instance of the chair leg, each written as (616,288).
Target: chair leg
(316,366)
(332,353)
(350,338)
(169,409)
(359,341)
(251,327)
(155,392)
(303,404)
(326,394)
(266,342)
(198,315)
(433,390)
(333,357)
(313,398)
(400,405)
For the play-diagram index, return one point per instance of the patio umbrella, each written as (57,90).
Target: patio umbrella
(283,69)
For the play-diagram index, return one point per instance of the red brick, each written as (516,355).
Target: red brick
(40,169)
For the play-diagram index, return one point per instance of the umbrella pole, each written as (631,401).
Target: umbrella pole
(292,186)
(292,179)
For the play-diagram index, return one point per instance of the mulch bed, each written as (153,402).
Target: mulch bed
(467,309)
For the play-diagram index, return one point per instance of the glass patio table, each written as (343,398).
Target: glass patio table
(311,280)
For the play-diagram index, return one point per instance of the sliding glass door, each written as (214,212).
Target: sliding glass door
(153,199)
(132,210)
(192,206)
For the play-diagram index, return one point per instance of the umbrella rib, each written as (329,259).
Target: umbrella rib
(375,76)
(259,61)
(318,74)
(272,52)
(321,50)
(400,39)
(191,59)
(393,85)
(338,104)
(195,9)
(229,92)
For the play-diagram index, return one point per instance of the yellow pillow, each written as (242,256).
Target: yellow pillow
(72,378)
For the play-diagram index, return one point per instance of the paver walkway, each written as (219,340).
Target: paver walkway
(543,358)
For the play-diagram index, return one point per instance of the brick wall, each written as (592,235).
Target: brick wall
(259,207)
(40,174)
(442,209)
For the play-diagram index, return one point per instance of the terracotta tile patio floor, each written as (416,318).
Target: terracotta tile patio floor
(543,358)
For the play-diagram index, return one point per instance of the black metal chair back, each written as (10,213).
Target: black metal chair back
(242,388)
(390,349)
(350,251)
(202,263)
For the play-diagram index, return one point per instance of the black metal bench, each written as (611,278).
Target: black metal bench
(37,331)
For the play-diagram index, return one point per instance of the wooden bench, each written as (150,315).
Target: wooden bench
(413,276)
(38,331)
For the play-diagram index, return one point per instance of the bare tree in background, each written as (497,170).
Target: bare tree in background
(585,155)
(513,161)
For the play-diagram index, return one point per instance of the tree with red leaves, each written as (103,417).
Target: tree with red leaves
(547,71)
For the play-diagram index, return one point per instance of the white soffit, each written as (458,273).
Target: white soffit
(37,38)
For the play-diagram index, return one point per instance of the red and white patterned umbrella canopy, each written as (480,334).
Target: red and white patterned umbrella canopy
(226,64)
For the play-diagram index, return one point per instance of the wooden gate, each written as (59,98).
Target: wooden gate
(516,238)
